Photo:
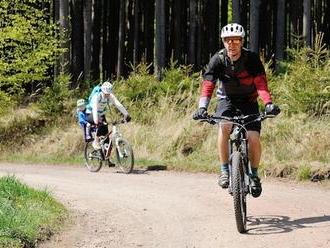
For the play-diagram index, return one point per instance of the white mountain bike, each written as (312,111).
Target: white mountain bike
(113,139)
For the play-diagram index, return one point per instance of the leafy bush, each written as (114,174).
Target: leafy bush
(305,86)
(5,102)
(55,99)
(142,94)
(28,45)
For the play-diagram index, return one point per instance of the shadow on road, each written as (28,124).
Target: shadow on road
(149,168)
(261,225)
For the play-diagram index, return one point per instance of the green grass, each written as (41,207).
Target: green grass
(304,173)
(26,215)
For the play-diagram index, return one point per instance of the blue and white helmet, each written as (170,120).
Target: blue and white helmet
(232,30)
(106,87)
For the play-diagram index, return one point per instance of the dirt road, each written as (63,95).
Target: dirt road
(169,209)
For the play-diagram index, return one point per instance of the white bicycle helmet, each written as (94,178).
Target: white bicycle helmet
(232,30)
(106,87)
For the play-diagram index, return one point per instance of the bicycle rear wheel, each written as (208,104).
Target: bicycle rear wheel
(238,190)
(125,156)
(93,158)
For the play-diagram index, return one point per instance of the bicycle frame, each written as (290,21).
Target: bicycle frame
(112,137)
(113,140)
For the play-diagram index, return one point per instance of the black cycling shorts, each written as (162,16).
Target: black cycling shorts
(228,107)
(102,130)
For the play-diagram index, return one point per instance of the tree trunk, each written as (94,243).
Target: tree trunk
(236,11)
(87,39)
(77,41)
(211,27)
(254,25)
(326,26)
(148,30)
(96,40)
(136,49)
(192,32)
(200,31)
(121,39)
(112,29)
(223,13)
(307,22)
(56,7)
(280,19)
(160,38)
(64,24)
(179,30)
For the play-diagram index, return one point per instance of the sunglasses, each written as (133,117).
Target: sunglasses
(233,41)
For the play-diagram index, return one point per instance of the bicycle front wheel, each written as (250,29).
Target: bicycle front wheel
(125,156)
(239,195)
(93,158)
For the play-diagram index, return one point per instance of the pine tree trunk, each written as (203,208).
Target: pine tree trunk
(112,30)
(87,39)
(236,11)
(179,30)
(136,49)
(64,24)
(148,30)
(307,22)
(199,43)
(77,41)
(96,40)
(160,38)
(192,32)
(211,27)
(121,39)
(223,13)
(254,25)
(280,20)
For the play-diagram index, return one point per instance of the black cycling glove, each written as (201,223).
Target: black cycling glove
(200,113)
(272,109)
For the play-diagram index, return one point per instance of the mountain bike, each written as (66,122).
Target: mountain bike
(239,165)
(113,139)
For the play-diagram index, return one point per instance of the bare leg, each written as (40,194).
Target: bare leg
(254,148)
(223,137)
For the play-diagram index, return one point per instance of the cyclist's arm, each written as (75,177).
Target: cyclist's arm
(260,79)
(95,107)
(210,78)
(82,118)
(118,105)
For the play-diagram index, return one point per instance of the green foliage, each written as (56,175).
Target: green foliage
(28,44)
(5,102)
(143,94)
(26,215)
(55,99)
(303,173)
(305,86)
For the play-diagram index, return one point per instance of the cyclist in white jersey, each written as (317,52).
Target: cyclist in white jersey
(97,107)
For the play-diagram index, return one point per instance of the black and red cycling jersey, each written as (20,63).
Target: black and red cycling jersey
(241,80)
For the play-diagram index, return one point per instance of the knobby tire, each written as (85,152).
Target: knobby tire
(124,155)
(93,159)
(238,190)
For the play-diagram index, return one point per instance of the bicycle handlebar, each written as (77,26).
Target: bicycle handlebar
(211,119)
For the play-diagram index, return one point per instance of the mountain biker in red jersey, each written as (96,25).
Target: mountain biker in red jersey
(242,79)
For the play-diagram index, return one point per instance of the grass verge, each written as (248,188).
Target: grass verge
(27,216)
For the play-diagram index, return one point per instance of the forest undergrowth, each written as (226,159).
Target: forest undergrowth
(296,144)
